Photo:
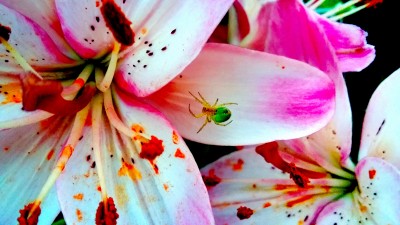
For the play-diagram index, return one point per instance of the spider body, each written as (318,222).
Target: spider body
(216,113)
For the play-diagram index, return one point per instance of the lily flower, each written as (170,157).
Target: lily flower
(252,24)
(77,135)
(298,186)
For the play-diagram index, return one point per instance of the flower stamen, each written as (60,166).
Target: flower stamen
(106,82)
(97,111)
(106,213)
(76,133)
(71,91)
(29,217)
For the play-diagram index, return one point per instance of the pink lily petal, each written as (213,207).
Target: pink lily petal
(379,137)
(11,113)
(246,180)
(349,42)
(169,36)
(301,37)
(32,42)
(44,14)
(168,189)
(375,176)
(276,97)
(27,156)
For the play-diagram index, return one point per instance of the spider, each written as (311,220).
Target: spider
(217,113)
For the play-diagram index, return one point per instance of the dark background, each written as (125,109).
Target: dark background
(381,23)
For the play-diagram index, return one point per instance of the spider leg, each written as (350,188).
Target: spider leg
(229,103)
(204,124)
(201,101)
(215,103)
(204,100)
(195,115)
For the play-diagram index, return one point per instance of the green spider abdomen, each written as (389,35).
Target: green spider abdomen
(221,114)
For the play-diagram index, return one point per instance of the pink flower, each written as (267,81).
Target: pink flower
(307,181)
(78,99)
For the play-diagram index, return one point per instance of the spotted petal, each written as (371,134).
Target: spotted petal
(27,156)
(381,122)
(246,180)
(274,97)
(32,42)
(164,190)
(44,14)
(170,35)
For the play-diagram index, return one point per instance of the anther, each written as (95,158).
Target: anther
(5,32)
(117,22)
(106,213)
(25,218)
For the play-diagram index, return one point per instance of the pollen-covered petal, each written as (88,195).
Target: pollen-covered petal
(11,113)
(44,14)
(381,122)
(84,27)
(32,42)
(27,156)
(379,185)
(281,98)
(246,180)
(349,42)
(160,187)
(169,35)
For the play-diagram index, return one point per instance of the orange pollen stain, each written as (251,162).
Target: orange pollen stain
(267,204)
(99,188)
(78,196)
(137,128)
(179,154)
(211,180)
(299,200)
(79,215)
(244,212)
(6,148)
(143,31)
(12,93)
(106,216)
(24,213)
(166,187)
(372,174)
(152,149)
(129,170)
(238,165)
(175,137)
(50,154)
(363,208)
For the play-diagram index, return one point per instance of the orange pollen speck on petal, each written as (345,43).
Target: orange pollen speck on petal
(79,215)
(244,212)
(129,170)
(143,31)
(12,93)
(137,128)
(175,137)
(6,148)
(267,204)
(238,165)
(78,196)
(117,22)
(211,180)
(179,154)
(152,149)
(166,187)
(106,216)
(50,154)
(363,208)
(371,174)
(33,219)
